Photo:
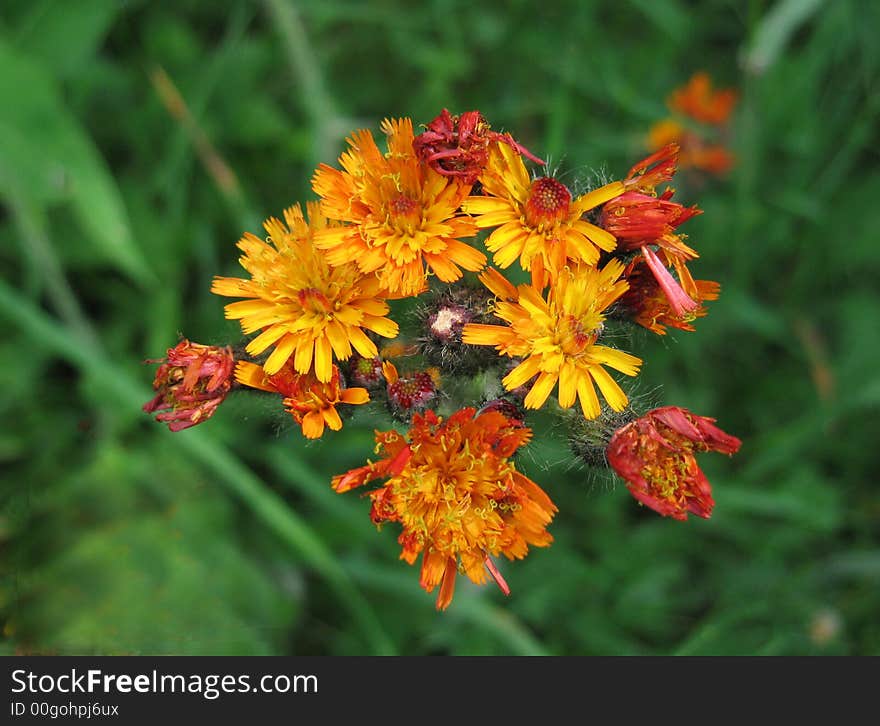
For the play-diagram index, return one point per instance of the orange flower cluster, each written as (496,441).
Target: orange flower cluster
(543,328)
(699,124)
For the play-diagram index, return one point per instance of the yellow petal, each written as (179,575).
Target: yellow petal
(355,396)
(610,390)
(331,417)
(599,196)
(338,340)
(588,398)
(541,390)
(499,285)
(469,258)
(486,205)
(525,371)
(597,235)
(323,360)
(617,359)
(479,334)
(302,361)
(313,425)
(568,377)
(252,375)
(361,343)
(265,339)
(279,356)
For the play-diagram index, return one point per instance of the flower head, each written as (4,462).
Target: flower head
(457,495)
(458,146)
(649,305)
(410,392)
(366,372)
(556,337)
(696,152)
(538,221)
(311,402)
(307,309)
(655,455)
(698,100)
(401,214)
(442,319)
(191,382)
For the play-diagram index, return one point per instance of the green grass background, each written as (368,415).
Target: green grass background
(119,537)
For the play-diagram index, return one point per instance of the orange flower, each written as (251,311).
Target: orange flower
(457,495)
(556,337)
(697,102)
(700,102)
(191,383)
(304,307)
(649,305)
(537,221)
(401,213)
(655,455)
(312,403)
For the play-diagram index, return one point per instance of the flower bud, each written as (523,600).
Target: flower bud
(442,320)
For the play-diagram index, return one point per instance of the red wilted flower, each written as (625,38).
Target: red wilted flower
(653,170)
(637,219)
(640,219)
(649,306)
(411,392)
(460,500)
(311,402)
(459,145)
(191,383)
(655,455)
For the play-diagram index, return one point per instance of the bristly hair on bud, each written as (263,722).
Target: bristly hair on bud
(588,438)
(441,319)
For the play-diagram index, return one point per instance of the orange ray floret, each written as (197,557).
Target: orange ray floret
(312,403)
(556,337)
(538,221)
(402,216)
(306,309)
(457,495)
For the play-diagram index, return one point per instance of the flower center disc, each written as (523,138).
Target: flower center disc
(549,201)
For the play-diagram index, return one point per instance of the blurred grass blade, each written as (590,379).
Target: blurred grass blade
(46,156)
(775,31)
(65,36)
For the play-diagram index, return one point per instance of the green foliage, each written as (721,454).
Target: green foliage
(118,537)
